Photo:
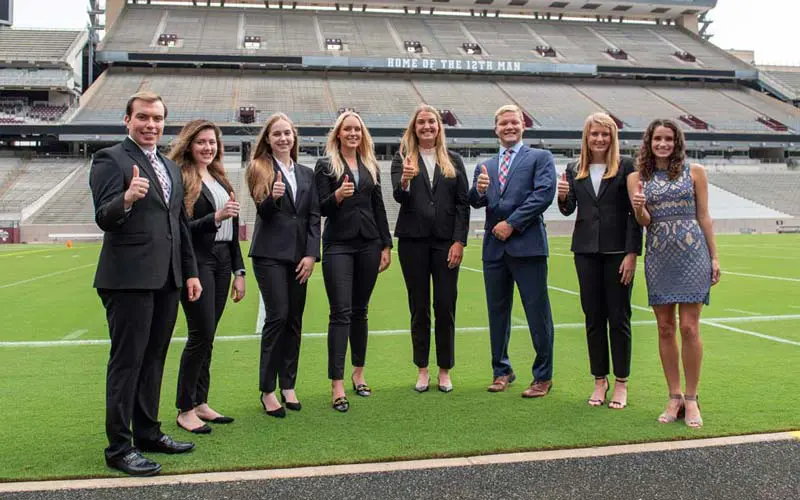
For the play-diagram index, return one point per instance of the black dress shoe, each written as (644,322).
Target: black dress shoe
(135,464)
(341,404)
(203,429)
(278,413)
(291,406)
(221,420)
(165,445)
(362,390)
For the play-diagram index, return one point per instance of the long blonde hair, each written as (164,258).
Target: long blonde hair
(181,153)
(409,145)
(260,172)
(612,153)
(366,150)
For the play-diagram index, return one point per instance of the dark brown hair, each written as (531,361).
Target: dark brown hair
(646,163)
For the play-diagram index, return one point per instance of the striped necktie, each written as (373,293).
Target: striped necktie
(161,173)
(504,165)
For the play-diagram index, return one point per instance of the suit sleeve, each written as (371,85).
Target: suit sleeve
(237,262)
(312,241)
(188,261)
(205,224)
(633,231)
(461,227)
(541,197)
(379,209)
(401,195)
(476,199)
(325,188)
(570,203)
(108,185)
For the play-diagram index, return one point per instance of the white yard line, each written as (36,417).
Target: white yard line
(761,276)
(74,335)
(44,276)
(748,332)
(751,313)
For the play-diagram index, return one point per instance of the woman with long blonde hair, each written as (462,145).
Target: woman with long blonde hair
(430,183)
(213,212)
(284,250)
(606,241)
(356,246)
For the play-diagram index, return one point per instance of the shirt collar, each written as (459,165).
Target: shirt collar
(515,148)
(144,150)
(288,168)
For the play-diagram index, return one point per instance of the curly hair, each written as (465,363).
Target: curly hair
(646,163)
(181,153)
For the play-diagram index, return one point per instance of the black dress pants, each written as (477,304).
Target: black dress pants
(422,260)
(606,304)
(350,270)
(284,302)
(202,318)
(140,324)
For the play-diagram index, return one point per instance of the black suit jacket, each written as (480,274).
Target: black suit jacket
(605,221)
(288,229)
(362,215)
(440,211)
(141,246)
(204,231)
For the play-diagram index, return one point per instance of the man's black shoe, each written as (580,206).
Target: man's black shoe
(135,464)
(165,445)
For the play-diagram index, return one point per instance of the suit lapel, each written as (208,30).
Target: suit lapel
(302,186)
(289,193)
(424,172)
(207,193)
(140,160)
(512,170)
(586,182)
(603,186)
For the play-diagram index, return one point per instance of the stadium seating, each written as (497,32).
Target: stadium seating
(221,31)
(26,183)
(36,45)
(775,189)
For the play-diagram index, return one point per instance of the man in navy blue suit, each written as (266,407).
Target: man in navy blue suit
(516,187)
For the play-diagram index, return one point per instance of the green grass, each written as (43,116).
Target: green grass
(52,397)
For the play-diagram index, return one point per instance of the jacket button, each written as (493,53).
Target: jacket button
(169,236)
(432,203)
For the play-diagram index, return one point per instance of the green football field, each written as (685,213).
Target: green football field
(53,353)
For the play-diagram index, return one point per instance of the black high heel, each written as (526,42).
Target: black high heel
(619,405)
(341,404)
(291,406)
(279,413)
(600,402)
(203,429)
(362,390)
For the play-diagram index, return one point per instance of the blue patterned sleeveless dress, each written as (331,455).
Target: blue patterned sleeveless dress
(677,264)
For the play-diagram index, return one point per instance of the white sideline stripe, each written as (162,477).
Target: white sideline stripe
(747,332)
(763,276)
(76,334)
(751,313)
(48,275)
(379,467)
(256,336)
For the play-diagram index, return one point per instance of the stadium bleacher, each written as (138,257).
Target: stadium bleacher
(28,180)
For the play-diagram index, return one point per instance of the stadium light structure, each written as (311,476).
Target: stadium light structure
(472,49)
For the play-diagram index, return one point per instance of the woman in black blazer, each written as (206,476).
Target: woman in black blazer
(606,241)
(430,183)
(214,223)
(284,250)
(356,246)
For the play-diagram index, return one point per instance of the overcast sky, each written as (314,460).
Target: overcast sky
(738,24)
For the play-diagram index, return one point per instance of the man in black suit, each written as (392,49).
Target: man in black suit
(145,259)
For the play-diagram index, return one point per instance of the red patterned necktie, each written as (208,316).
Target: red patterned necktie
(504,164)
(161,173)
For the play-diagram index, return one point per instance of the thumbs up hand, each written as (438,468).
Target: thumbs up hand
(409,172)
(346,190)
(639,200)
(136,190)
(483,181)
(278,188)
(231,209)
(563,187)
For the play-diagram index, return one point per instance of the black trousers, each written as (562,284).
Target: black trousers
(350,271)
(202,318)
(607,305)
(140,324)
(422,260)
(284,301)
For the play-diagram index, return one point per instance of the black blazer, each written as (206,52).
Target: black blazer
(204,231)
(142,246)
(441,211)
(362,215)
(605,222)
(288,229)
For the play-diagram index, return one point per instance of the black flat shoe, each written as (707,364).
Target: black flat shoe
(341,404)
(203,429)
(165,444)
(362,390)
(135,464)
(291,406)
(278,413)
(221,420)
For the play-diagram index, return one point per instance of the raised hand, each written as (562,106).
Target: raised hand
(231,209)
(137,189)
(278,188)
(638,200)
(409,172)
(346,190)
(563,187)
(483,181)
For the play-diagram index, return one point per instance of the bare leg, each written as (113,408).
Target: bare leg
(692,356)
(670,358)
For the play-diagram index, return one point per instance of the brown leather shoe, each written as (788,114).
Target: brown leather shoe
(502,382)
(538,389)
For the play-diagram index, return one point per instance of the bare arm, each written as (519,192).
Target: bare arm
(704,217)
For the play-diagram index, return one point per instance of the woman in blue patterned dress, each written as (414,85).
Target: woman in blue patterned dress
(670,198)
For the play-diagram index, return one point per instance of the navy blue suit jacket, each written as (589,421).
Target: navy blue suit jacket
(529,190)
